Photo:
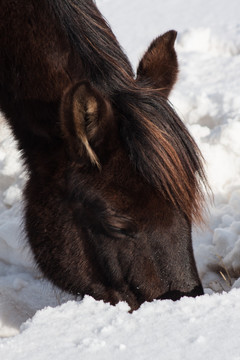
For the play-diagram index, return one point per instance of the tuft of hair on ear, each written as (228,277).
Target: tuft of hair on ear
(84,114)
(159,65)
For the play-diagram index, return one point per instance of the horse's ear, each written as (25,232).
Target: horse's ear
(159,65)
(84,117)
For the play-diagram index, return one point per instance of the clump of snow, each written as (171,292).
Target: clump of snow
(225,42)
(207,99)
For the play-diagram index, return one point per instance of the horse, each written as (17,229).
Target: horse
(115,180)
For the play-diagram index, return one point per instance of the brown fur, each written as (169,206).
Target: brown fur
(114,176)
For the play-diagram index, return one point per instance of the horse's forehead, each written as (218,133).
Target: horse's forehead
(125,191)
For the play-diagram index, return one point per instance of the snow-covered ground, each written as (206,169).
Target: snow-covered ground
(207,97)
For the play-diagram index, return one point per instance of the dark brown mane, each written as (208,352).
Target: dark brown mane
(103,58)
(157,141)
(165,153)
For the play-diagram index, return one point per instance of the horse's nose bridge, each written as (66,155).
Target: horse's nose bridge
(169,260)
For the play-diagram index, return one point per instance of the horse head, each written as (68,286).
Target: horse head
(114,176)
(131,228)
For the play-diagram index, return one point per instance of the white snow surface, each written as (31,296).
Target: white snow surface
(37,321)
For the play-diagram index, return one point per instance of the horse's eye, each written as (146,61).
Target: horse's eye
(118,226)
(121,233)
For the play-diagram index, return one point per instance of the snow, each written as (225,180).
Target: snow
(37,321)
(156,331)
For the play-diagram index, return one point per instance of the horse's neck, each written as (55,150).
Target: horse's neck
(35,125)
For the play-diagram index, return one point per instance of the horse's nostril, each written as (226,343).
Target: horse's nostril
(178,294)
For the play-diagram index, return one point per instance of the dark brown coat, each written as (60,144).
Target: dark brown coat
(113,172)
